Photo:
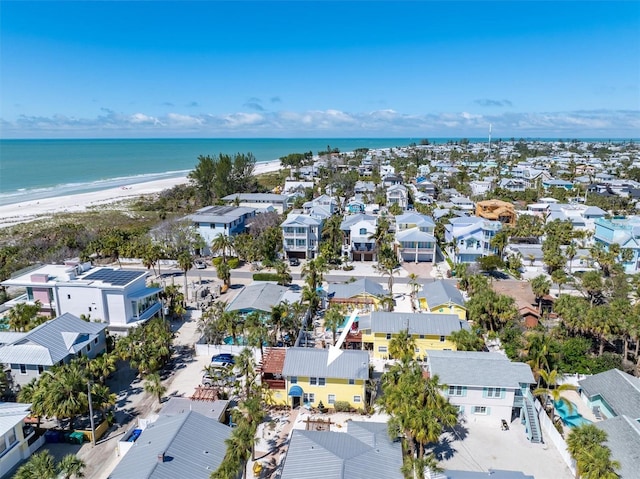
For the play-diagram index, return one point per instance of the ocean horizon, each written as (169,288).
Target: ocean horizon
(37,169)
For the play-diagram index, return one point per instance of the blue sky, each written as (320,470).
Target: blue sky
(319,69)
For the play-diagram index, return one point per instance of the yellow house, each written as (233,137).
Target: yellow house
(310,379)
(430,331)
(442,297)
(364,294)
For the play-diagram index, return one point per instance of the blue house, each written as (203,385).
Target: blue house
(624,232)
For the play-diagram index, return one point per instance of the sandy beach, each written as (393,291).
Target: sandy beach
(31,210)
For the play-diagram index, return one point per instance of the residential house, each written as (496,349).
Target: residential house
(623,440)
(430,331)
(425,186)
(362,187)
(398,195)
(364,294)
(301,235)
(346,225)
(270,367)
(513,184)
(291,187)
(55,342)
(258,201)
(415,240)
(487,386)
(442,296)
(260,297)
(362,245)
(119,298)
(480,187)
(184,445)
(321,207)
(553,183)
(626,233)
(311,378)
(212,221)
(531,254)
(497,210)
(391,180)
(16,438)
(363,451)
(462,203)
(469,238)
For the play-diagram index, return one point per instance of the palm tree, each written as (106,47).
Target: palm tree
(333,236)
(102,398)
(500,242)
(66,392)
(387,267)
(231,322)
(333,319)
(256,331)
(570,252)
(311,297)
(22,315)
(415,287)
(581,441)
(224,273)
(402,346)
(554,390)
(559,277)
(222,244)
(185,261)
(153,385)
(283,273)
(71,466)
(40,466)
(102,367)
(540,286)
(466,340)
(313,271)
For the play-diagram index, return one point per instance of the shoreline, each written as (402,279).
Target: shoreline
(32,210)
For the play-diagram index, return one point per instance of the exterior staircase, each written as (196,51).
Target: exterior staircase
(534,433)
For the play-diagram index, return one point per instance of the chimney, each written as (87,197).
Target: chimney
(161,457)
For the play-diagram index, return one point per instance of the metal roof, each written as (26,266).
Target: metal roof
(301,219)
(441,292)
(623,438)
(114,277)
(620,390)
(415,234)
(193,447)
(433,324)
(180,405)
(11,414)
(353,219)
(219,214)
(492,474)
(312,362)
(51,342)
(258,297)
(467,368)
(364,451)
(349,290)
(271,197)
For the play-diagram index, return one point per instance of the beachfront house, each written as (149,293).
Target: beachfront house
(430,331)
(212,221)
(311,379)
(120,298)
(443,297)
(52,343)
(260,201)
(487,387)
(15,437)
(301,235)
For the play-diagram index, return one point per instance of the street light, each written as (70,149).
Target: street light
(93,429)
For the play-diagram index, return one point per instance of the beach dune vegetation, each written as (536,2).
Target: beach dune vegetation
(217,177)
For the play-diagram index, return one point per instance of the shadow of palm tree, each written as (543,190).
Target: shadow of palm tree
(443,449)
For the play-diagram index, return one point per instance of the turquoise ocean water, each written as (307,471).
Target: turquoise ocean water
(36,169)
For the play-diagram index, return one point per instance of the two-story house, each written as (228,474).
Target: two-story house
(624,232)
(398,195)
(442,296)
(310,378)
(415,240)
(430,331)
(118,297)
(362,245)
(52,343)
(321,207)
(260,201)
(469,238)
(301,235)
(487,386)
(212,221)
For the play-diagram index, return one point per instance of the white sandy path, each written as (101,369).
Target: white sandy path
(32,210)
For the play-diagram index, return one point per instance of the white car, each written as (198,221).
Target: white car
(199,264)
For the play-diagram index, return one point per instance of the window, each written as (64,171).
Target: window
(382,349)
(331,399)
(68,296)
(322,381)
(40,369)
(88,347)
(89,308)
(23,369)
(456,391)
(317,381)
(309,397)
(352,381)
(196,224)
(293,380)
(3,446)
(422,336)
(357,399)
(479,410)
(11,436)
(442,339)
(493,393)
(95,341)
(388,335)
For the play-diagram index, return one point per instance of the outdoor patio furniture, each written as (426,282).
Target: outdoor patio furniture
(596,412)
(505,425)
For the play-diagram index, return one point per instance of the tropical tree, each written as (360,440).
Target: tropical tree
(232,323)
(402,346)
(585,444)
(102,399)
(40,466)
(185,261)
(540,286)
(101,367)
(313,271)
(256,331)
(467,340)
(223,272)
(552,390)
(332,236)
(283,272)
(500,242)
(415,286)
(388,267)
(222,244)
(71,466)
(333,319)
(153,385)
(22,317)
(559,277)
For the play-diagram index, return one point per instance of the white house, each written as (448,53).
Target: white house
(470,238)
(260,201)
(301,235)
(118,297)
(362,247)
(212,221)
(397,195)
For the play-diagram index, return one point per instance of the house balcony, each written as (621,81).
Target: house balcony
(275,383)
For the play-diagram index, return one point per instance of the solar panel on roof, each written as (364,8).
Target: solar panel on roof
(114,277)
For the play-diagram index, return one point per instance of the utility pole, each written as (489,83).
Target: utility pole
(93,429)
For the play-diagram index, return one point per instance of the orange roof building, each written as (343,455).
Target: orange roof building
(497,210)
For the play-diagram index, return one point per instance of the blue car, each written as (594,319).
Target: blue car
(223,358)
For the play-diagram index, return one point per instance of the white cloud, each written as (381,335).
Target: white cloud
(330,122)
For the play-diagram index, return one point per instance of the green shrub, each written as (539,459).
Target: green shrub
(233,263)
(348,267)
(342,406)
(266,277)
(216,261)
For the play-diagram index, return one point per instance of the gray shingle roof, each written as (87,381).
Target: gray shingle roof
(624,441)
(312,362)
(193,445)
(620,390)
(467,368)
(258,296)
(363,452)
(349,290)
(430,324)
(51,342)
(441,292)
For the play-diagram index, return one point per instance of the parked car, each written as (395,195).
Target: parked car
(224,358)
(200,264)
(294,262)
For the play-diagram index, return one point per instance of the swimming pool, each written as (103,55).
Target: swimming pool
(240,341)
(571,419)
(344,323)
